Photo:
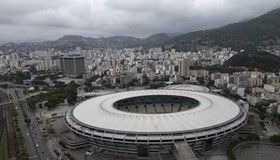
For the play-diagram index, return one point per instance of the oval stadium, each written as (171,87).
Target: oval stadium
(149,122)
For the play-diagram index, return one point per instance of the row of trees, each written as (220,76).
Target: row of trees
(18,137)
(275,138)
(218,68)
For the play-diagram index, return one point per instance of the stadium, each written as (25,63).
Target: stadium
(144,123)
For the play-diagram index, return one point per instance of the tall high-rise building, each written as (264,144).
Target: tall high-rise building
(72,66)
(184,67)
(13,56)
(44,65)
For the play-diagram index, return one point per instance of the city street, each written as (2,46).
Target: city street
(34,142)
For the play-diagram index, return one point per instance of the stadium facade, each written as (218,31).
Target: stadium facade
(147,122)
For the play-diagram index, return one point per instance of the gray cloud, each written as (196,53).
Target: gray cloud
(45,19)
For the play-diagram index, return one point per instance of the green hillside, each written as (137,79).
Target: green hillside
(263,30)
(253,59)
(155,40)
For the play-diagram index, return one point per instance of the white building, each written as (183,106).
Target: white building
(44,65)
(183,67)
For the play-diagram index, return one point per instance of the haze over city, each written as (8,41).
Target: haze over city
(31,20)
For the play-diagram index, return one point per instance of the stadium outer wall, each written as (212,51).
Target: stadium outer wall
(137,144)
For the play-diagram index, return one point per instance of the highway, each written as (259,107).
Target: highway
(34,142)
(29,146)
(20,99)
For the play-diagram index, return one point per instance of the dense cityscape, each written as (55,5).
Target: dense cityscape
(89,73)
(212,94)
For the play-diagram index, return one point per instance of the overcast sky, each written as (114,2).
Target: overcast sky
(51,19)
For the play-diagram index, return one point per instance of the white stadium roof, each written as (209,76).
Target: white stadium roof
(99,113)
(188,87)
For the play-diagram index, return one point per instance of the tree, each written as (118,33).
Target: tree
(210,83)
(33,69)
(156,85)
(200,80)
(50,130)
(52,102)
(146,80)
(72,99)
(27,121)
(59,84)
(262,116)
(139,69)
(166,78)
(36,88)
(72,95)
(275,138)
(253,137)
(261,109)
(4,86)
(73,84)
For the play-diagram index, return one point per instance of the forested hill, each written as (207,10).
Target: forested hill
(251,34)
(253,59)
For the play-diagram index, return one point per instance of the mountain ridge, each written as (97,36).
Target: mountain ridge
(251,34)
(68,42)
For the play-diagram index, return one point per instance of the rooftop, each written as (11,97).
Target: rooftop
(188,87)
(99,113)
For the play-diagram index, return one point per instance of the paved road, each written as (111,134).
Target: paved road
(43,150)
(257,152)
(29,146)
(35,143)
